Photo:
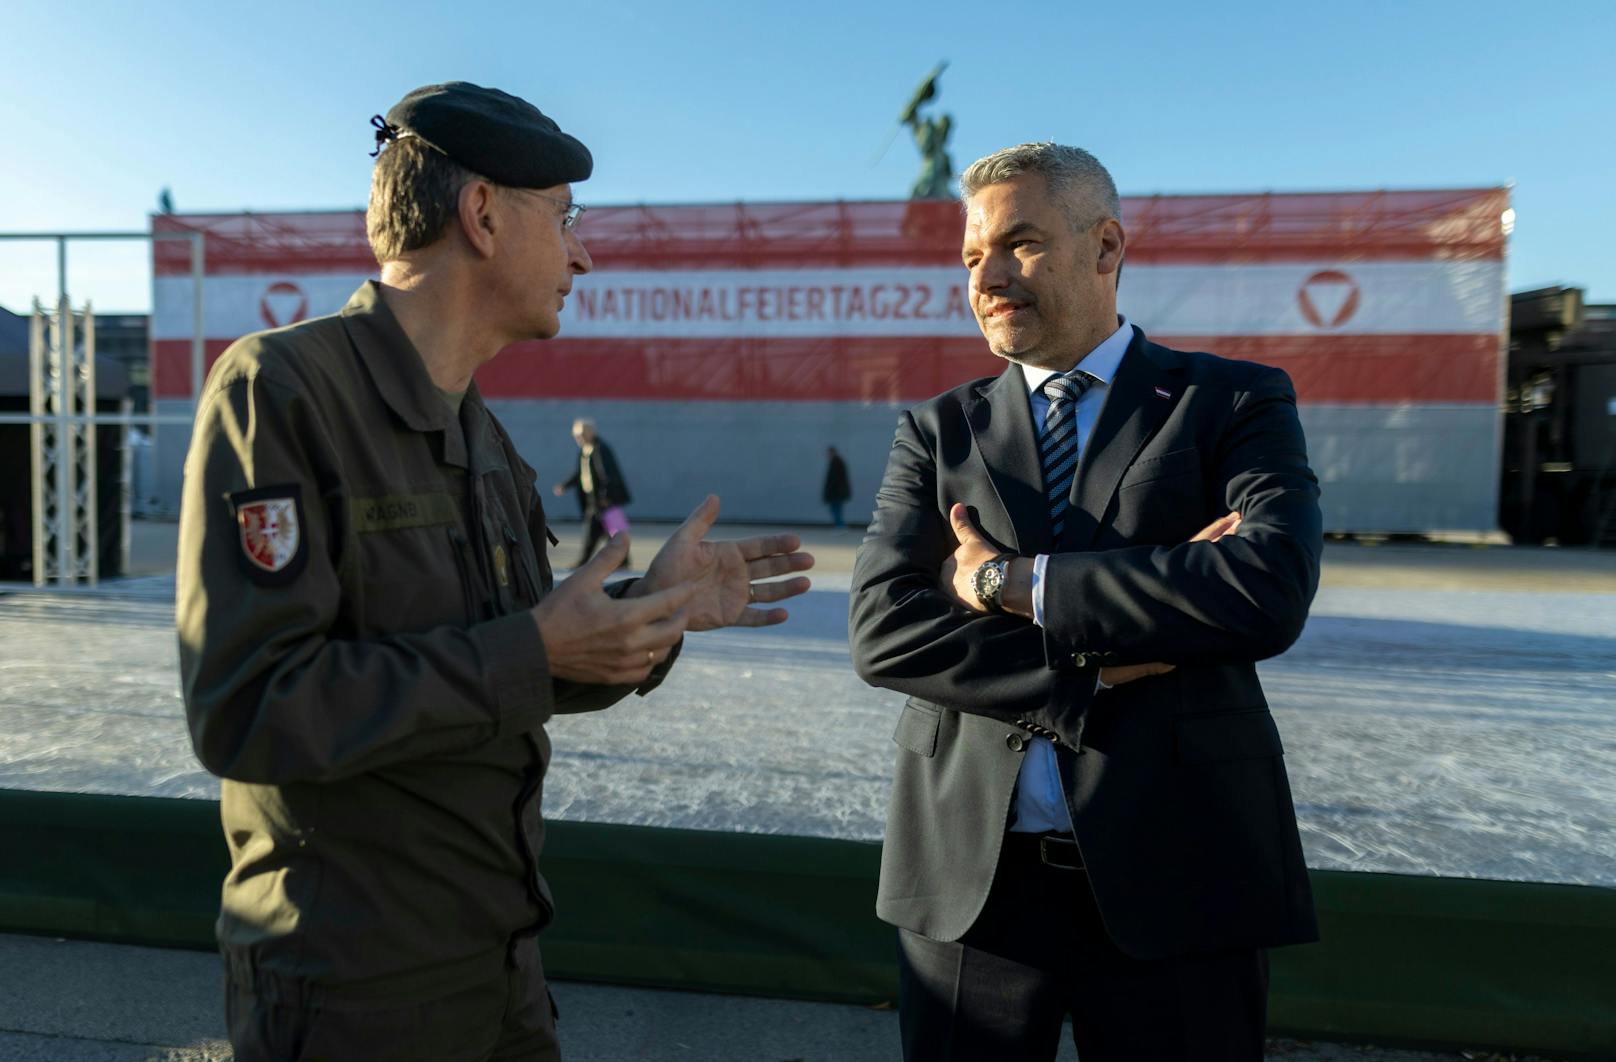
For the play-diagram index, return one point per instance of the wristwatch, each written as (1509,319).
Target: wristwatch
(989,579)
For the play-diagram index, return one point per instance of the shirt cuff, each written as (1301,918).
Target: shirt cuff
(1039,563)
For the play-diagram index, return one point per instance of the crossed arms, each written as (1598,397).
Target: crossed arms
(1240,598)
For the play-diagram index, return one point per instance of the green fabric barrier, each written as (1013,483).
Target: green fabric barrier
(1405,960)
(1428,961)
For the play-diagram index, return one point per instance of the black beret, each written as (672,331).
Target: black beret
(491,133)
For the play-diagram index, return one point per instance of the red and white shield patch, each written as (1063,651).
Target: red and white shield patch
(270,535)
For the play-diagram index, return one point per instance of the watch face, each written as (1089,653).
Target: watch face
(989,580)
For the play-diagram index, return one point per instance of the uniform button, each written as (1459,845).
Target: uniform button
(1080,660)
(1015,741)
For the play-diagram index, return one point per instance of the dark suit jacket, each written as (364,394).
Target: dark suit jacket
(1176,783)
(610,488)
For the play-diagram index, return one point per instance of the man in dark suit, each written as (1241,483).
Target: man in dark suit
(600,485)
(1090,815)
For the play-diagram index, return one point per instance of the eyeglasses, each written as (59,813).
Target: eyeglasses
(571,211)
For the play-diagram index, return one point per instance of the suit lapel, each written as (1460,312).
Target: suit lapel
(1001,423)
(1142,394)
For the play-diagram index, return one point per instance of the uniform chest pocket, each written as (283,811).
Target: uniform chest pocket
(412,576)
(525,577)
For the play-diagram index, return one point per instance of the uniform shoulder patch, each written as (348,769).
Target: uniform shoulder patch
(269,529)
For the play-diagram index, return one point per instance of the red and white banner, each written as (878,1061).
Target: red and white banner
(1373,298)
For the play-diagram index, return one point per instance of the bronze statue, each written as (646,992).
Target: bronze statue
(931,138)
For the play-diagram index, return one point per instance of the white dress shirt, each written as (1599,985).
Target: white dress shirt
(1040,805)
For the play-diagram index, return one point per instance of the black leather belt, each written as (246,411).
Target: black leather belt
(1058,850)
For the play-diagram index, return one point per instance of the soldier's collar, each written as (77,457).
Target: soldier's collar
(394,363)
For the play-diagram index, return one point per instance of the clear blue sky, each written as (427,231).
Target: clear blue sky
(265,106)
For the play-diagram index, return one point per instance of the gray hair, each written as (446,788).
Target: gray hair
(1071,173)
(414,194)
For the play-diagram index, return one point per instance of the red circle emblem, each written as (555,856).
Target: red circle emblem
(283,303)
(1328,298)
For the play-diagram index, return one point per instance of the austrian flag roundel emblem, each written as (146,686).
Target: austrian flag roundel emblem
(269,522)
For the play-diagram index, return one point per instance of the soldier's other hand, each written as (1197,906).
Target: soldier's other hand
(591,637)
(1117,676)
(724,573)
(559,489)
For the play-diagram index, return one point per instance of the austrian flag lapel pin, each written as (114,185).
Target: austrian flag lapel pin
(1162,392)
(269,527)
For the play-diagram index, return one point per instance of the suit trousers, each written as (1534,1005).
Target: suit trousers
(1039,953)
(506,1019)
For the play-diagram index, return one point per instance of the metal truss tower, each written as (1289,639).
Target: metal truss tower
(62,436)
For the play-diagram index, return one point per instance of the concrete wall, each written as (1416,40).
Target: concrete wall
(1382,469)
(1405,468)
(766,461)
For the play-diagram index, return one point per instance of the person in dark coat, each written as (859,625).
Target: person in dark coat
(837,486)
(601,488)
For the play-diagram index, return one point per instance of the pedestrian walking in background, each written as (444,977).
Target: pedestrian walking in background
(601,488)
(838,488)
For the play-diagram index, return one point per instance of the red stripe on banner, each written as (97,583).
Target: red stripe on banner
(885,370)
(1371,370)
(171,365)
(1337,369)
(331,241)
(1350,370)
(1454,224)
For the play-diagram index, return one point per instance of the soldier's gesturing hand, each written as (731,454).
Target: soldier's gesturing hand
(591,637)
(725,573)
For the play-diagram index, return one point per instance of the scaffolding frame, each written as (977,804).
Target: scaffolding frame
(64,424)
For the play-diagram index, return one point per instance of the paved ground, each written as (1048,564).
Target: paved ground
(72,1001)
(1475,564)
(1450,709)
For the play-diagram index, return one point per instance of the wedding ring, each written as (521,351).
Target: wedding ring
(751,594)
(650,658)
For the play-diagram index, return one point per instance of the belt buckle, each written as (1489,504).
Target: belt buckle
(1075,863)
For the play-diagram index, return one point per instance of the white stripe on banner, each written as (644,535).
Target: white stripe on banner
(234,305)
(1369,298)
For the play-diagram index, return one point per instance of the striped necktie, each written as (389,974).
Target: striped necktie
(1058,449)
